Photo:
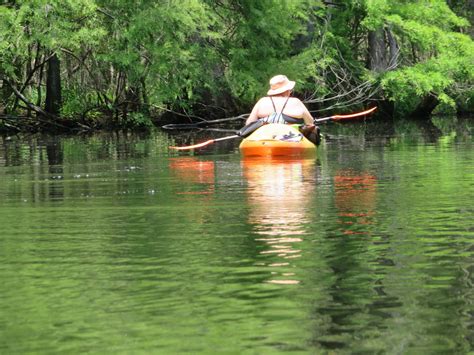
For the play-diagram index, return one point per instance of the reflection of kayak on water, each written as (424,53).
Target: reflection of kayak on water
(276,140)
(279,191)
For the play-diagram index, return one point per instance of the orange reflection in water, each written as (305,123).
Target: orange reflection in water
(199,173)
(355,197)
(279,191)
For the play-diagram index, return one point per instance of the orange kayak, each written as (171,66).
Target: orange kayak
(276,140)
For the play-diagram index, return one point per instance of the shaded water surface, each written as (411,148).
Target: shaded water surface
(111,243)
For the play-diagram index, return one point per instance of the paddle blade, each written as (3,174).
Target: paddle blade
(194,146)
(353,115)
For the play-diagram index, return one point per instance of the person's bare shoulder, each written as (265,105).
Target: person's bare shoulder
(296,102)
(295,99)
(262,99)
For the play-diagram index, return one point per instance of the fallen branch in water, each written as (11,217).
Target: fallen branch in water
(45,117)
(204,122)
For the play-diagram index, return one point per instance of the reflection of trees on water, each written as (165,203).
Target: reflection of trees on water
(394,280)
(55,155)
(44,167)
(52,162)
(279,193)
(355,196)
(356,297)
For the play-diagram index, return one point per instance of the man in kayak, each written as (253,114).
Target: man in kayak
(279,107)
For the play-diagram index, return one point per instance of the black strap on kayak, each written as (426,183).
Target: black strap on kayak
(250,128)
(292,120)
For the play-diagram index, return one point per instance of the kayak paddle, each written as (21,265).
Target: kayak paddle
(345,117)
(251,127)
(203,144)
(243,132)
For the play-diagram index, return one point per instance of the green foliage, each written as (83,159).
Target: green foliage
(376,11)
(161,45)
(181,53)
(10,40)
(435,60)
(260,43)
(138,120)
(78,104)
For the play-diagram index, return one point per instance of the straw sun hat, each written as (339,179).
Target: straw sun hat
(280,84)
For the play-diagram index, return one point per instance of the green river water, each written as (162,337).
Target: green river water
(111,243)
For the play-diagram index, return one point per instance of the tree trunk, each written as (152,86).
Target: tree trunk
(383,56)
(53,86)
(377,51)
(132,98)
(5,92)
(146,101)
(394,50)
(38,88)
